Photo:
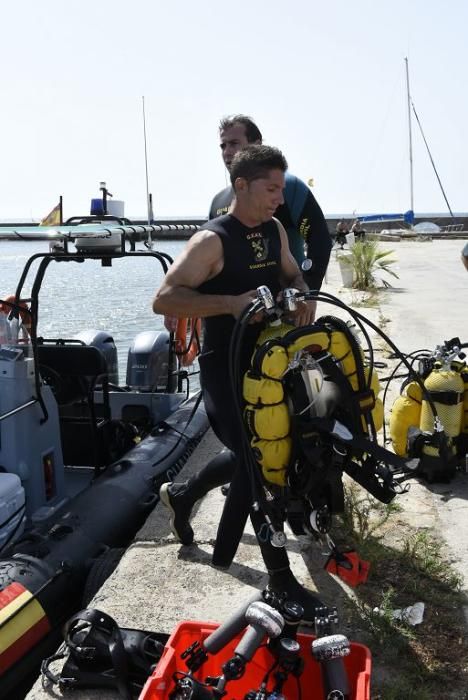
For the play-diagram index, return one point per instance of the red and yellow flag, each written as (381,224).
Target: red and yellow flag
(53,218)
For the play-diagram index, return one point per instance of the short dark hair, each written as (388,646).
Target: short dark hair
(252,131)
(254,162)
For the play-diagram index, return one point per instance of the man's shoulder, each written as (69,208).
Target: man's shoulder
(218,228)
(205,239)
(291,181)
(221,202)
(295,190)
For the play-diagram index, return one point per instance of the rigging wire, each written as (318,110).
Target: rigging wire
(431,159)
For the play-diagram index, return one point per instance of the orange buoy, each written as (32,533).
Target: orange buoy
(25,315)
(187,350)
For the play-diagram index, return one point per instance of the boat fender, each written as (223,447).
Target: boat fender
(23,623)
(103,655)
(187,328)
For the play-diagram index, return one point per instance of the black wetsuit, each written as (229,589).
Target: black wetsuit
(252,258)
(303,220)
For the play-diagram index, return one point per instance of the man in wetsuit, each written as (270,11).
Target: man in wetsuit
(215,278)
(299,213)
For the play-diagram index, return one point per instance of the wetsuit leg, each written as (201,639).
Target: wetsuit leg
(219,407)
(218,471)
(231,526)
(280,576)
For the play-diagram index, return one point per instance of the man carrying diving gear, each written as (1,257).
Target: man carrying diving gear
(216,278)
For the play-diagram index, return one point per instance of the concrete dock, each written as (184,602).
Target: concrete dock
(160,582)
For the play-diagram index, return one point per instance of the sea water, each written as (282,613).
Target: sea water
(78,296)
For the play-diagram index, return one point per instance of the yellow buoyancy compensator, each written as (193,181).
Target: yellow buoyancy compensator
(428,419)
(306,390)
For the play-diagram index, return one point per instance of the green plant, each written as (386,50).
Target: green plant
(423,552)
(367,299)
(363,515)
(367,260)
(380,623)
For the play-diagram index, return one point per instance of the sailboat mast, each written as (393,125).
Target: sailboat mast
(410,140)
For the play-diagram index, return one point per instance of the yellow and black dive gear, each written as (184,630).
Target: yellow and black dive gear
(312,411)
(429,420)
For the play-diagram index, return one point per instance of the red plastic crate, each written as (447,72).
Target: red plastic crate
(161,683)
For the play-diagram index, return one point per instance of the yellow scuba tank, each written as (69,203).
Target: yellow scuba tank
(439,454)
(464,421)
(446,389)
(405,414)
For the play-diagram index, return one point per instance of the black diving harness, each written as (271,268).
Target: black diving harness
(378,470)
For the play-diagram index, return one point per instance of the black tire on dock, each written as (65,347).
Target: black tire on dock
(102,568)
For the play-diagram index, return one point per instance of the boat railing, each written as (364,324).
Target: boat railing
(16,410)
(89,230)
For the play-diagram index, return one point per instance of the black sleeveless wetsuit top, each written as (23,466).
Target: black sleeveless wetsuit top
(252,257)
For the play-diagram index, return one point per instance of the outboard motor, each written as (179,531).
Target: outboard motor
(103,341)
(150,362)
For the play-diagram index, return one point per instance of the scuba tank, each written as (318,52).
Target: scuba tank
(428,419)
(445,387)
(406,414)
(463,437)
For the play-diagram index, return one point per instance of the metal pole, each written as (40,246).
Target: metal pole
(410,138)
(148,203)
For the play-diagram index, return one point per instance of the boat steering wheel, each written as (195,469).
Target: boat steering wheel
(55,380)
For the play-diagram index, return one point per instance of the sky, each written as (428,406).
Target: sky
(324,80)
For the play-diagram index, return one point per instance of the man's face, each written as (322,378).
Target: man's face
(232,140)
(262,197)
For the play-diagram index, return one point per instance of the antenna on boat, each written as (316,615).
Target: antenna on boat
(148,199)
(410,138)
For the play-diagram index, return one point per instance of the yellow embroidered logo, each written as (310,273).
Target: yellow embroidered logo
(304,227)
(260,248)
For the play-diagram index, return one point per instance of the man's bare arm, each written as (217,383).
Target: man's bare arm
(201,260)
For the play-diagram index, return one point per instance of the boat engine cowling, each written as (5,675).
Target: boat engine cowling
(148,362)
(105,343)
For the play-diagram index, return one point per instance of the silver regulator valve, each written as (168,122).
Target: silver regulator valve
(289,299)
(266,297)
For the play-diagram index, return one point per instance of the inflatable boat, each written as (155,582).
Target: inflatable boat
(82,457)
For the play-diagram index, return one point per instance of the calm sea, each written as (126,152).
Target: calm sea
(81,296)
